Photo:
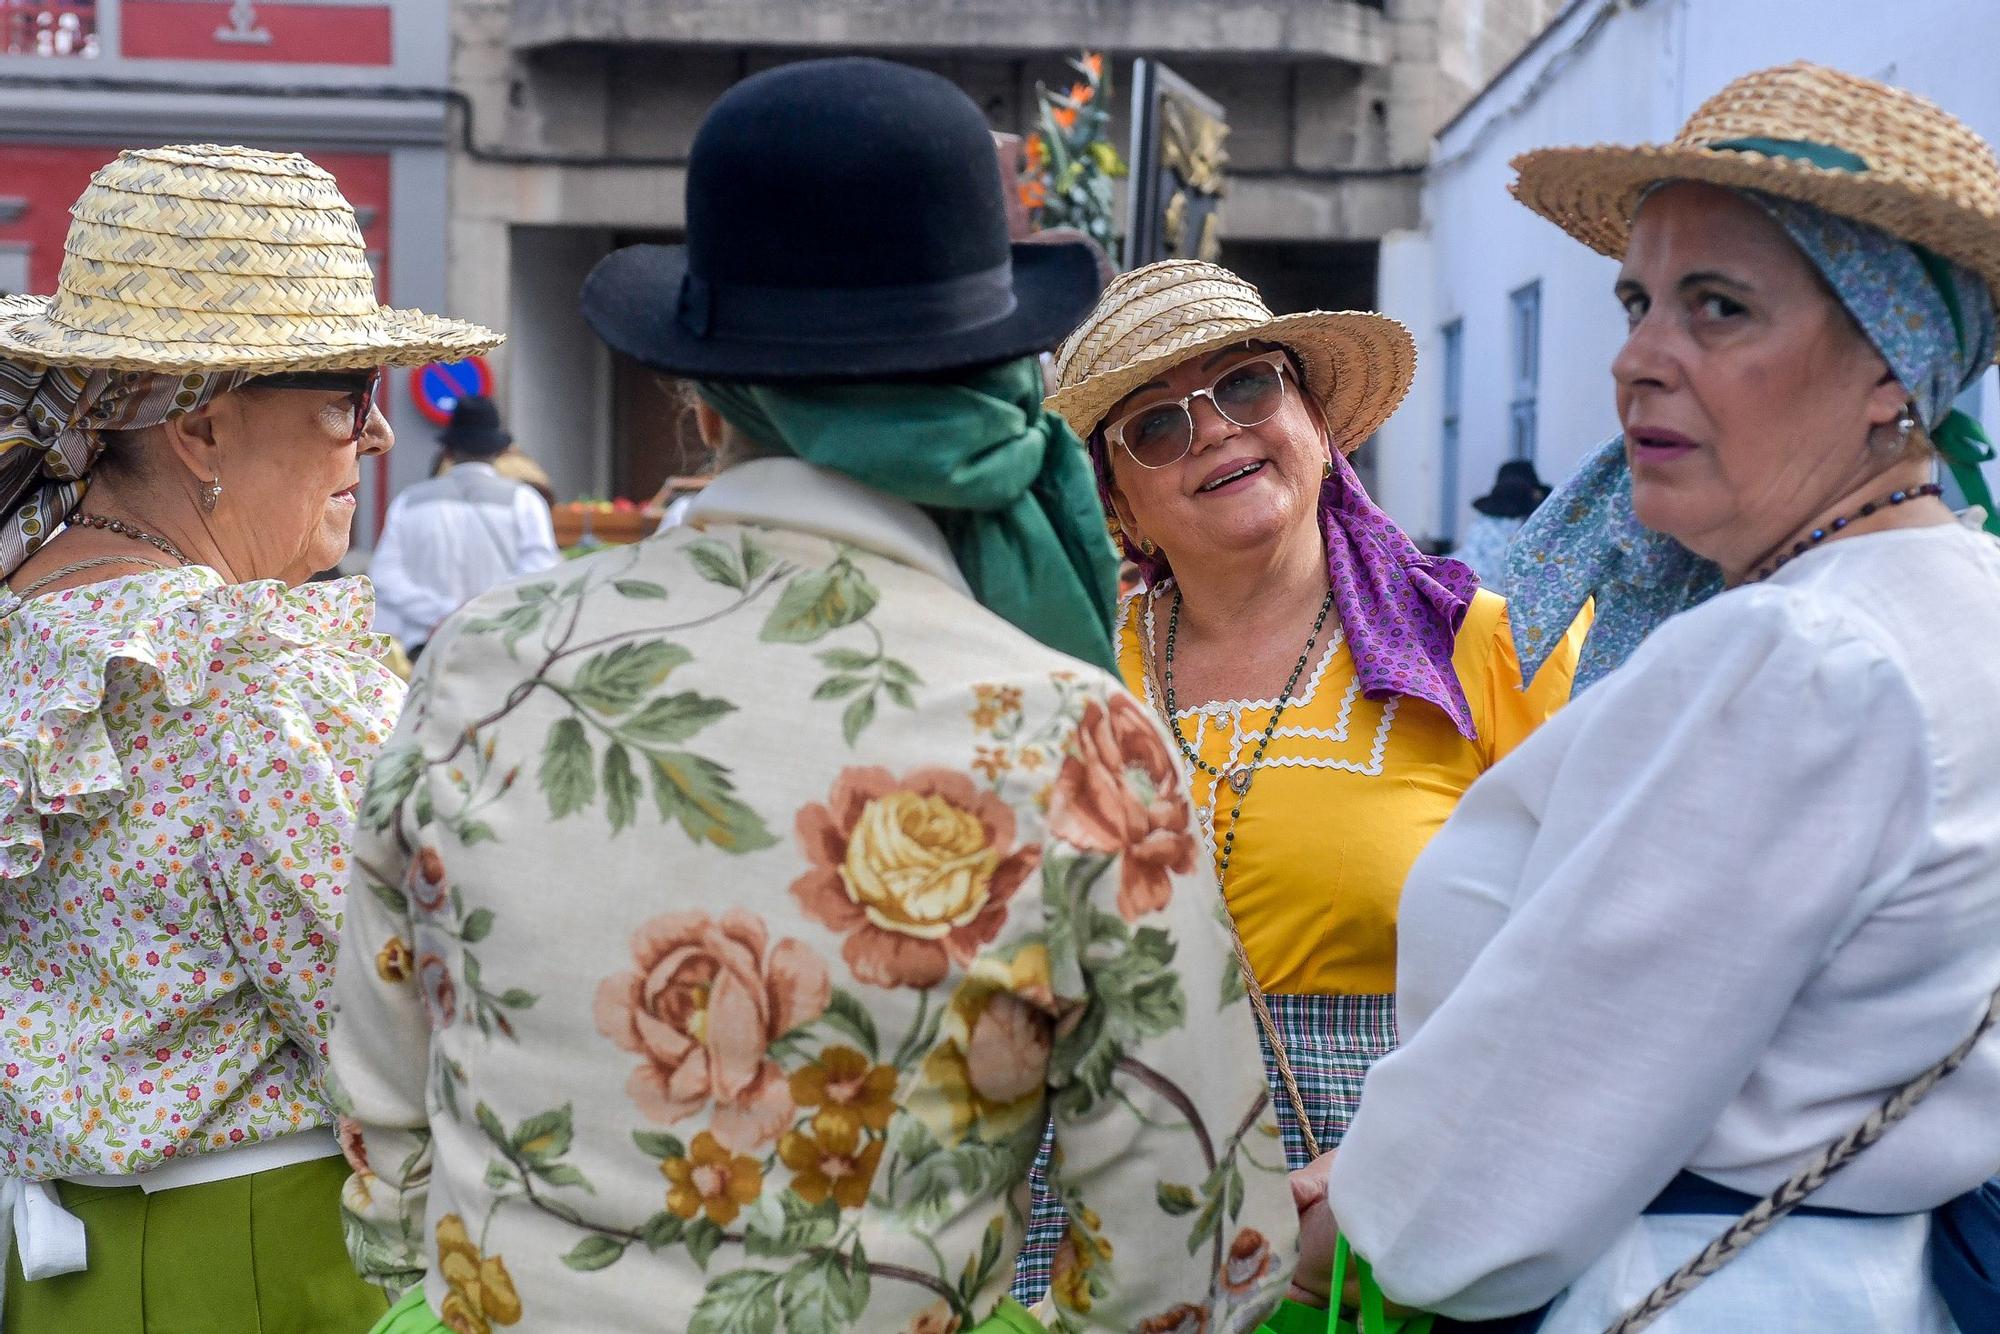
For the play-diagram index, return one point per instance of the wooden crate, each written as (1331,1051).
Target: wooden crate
(573,521)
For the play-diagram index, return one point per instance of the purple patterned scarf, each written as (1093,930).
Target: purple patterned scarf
(1399,608)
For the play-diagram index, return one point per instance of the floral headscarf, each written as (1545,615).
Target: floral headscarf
(1399,608)
(51,424)
(1932,321)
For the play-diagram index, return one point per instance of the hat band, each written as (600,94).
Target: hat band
(808,315)
(1824,156)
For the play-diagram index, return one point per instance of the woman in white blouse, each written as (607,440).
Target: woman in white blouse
(1748,884)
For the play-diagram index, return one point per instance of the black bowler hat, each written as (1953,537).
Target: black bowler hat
(1517,492)
(475,430)
(844,222)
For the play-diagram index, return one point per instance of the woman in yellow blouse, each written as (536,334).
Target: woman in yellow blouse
(1333,691)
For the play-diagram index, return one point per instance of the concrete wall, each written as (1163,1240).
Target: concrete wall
(1615,71)
(558,385)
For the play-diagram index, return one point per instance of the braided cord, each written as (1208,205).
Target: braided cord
(1766,1212)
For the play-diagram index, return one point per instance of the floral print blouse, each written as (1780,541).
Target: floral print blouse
(733,909)
(180,760)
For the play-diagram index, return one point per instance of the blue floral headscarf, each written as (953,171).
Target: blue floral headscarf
(1933,322)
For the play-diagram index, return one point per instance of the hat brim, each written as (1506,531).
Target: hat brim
(632,300)
(28,332)
(1357,364)
(1592,193)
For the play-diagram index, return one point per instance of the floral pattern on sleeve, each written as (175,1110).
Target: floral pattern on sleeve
(180,760)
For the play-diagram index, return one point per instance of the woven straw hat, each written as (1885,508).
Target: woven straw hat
(1357,363)
(199,257)
(1852,146)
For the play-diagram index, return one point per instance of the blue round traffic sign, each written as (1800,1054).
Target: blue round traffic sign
(437,386)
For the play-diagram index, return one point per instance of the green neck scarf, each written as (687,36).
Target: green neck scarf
(1007,482)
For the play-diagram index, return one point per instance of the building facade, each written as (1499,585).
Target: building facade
(582,113)
(357,85)
(1515,322)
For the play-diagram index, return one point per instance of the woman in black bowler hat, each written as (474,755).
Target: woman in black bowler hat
(741,904)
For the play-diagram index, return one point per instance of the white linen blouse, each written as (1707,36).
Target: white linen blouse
(1708,917)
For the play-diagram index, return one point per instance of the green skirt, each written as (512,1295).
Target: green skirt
(253,1253)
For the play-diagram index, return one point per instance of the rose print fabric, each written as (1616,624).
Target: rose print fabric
(706,969)
(180,760)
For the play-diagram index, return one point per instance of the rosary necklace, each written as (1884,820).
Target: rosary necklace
(1238,776)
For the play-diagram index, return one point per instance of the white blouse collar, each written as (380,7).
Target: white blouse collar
(791,493)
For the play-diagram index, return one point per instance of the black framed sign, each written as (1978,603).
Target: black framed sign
(1175,203)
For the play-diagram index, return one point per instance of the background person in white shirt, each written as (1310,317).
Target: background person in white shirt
(451,538)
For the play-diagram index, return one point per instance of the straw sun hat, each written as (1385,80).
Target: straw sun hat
(198,257)
(1852,146)
(1357,364)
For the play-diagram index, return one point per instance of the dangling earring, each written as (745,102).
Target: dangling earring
(1146,546)
(1905,424)
(211,494)
(1327,472)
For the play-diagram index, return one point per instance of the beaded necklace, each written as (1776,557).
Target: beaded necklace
(1820,534)
(123,529)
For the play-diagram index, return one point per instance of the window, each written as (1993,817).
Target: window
(48,27)
(1453,337)
(1527,327)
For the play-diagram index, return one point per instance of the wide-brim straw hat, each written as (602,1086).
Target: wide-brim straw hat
(1852,146)
(1357,364)
(202,257)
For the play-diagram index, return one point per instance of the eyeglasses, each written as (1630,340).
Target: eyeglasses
(1247,394)
(360,385)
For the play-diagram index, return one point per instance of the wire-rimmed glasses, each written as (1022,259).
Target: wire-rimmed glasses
(1248,393)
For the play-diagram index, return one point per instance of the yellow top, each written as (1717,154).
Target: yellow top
(1348,793)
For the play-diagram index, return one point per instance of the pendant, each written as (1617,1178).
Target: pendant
(1239,779)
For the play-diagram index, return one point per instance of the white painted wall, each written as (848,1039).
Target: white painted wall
(1608,71)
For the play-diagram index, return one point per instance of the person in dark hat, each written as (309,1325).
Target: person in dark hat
(812,855)
(449,539)
(1517,492)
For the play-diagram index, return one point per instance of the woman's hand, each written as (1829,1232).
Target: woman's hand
(1318,1233)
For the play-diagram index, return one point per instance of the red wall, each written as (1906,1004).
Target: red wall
(51,177)
(301,34)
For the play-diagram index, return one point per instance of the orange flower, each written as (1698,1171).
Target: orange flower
(1094,61)
(847,1090)
(481,1291)
(1186,1318)
(712,1180)
(1247,1263)
(700,1006)
(1080,93)
(392,962)
(1064,117)
(1099,807)
(831,1162)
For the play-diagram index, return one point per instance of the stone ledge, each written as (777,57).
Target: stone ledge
(1299,30)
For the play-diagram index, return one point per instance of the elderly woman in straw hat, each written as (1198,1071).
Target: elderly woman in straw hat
(1331,690)
(1741,899)
(885,869)
(186,725)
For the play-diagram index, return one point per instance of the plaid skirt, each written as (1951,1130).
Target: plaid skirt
(1330,1040)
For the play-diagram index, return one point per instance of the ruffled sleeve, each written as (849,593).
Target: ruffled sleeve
(97,667)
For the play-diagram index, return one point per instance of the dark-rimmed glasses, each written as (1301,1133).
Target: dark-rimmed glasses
(1248,393)
(360,385)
